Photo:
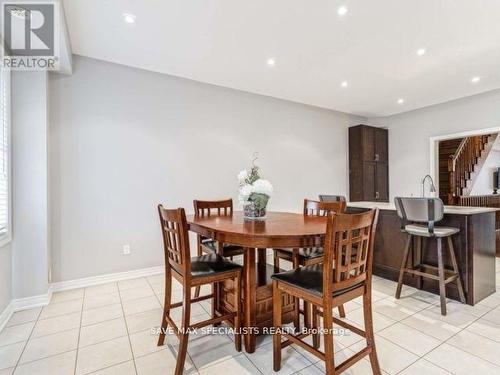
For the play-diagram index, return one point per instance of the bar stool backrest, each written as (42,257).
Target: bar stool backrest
(331,198)
(420,210)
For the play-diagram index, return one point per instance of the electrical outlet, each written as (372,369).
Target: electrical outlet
(126,249)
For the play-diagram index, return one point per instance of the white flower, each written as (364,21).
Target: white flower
(262,186)
(242,176)
(245,192)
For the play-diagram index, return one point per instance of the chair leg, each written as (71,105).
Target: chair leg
(342,311)
(200,253)
(307,314)
(370,336)
(237,318)
(315,326)
(442,286)
(212,307)
(186,312)
(166,307)
(277,327)
(403,266)
(215,301)
(328,337)
(456,270)
(419,260)
(276,262)
(296,314)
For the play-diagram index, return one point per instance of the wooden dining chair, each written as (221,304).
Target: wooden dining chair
(192,272)
(331,198)
(307,256)
(313,254)
(345,274)
(208,245)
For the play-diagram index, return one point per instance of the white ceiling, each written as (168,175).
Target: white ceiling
(373,47)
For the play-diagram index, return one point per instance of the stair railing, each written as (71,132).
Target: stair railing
(461,164)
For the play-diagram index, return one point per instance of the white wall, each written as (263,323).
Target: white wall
(5,276)
(410,132)
(30,227)
(124,140)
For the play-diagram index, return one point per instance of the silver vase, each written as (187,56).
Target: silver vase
(252,212)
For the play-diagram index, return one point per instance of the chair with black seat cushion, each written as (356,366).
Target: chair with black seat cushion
(310,255)
(419,216)
(331,198)
(208,245)
(193,272)
(345,274)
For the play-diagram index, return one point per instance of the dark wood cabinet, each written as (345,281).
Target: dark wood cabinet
(368,164)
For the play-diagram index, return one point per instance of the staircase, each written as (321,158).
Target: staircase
(466,163)
(447,149)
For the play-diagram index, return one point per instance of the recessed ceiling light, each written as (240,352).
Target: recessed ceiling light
(475,79)
(342,11)
(129,18)
(271,62)
(344,84)
(421,52)
(401,101)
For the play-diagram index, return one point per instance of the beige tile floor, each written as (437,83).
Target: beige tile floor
(106,329)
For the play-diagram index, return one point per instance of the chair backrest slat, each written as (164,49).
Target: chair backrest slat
(175,239)
(207,208)
(348,250)
(315,208)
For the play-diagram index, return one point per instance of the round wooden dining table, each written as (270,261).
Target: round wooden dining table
(278,230)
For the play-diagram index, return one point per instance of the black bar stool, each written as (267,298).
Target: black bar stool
(419,216)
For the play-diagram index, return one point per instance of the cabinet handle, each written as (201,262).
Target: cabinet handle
(377,157)
(377,195)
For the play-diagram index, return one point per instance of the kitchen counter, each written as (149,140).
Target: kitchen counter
(458,210)
(475,248)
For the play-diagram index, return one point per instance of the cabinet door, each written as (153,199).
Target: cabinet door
(382,182)
(381,145)
(368,143)
(369,178)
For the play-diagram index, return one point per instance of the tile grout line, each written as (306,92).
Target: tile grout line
(79,331)
(400,321)
(163,309)
(442,341)
(387,296)
(446,342)
(462,349)
(126,327)
(27,341)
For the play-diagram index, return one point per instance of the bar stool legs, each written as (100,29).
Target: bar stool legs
(441,271)
(442,285)
(403,266)
(455,270)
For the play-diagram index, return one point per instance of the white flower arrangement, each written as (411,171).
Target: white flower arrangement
(254,189)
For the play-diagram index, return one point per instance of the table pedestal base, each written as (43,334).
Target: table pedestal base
(262,311)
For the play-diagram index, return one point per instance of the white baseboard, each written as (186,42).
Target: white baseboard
(31,302)
(44,299)
(103,279)
(6,314)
